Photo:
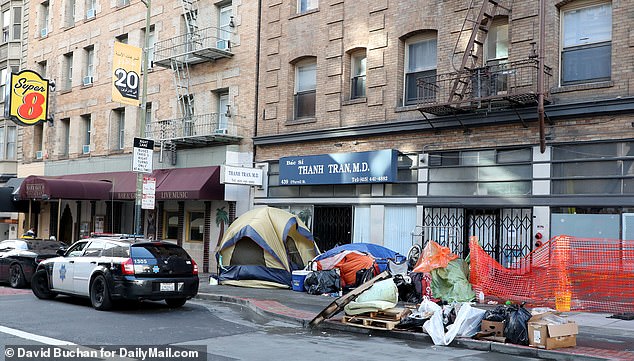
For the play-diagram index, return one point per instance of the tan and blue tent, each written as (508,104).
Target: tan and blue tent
(262,247)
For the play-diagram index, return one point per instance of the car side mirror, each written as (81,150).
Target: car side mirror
(61,251)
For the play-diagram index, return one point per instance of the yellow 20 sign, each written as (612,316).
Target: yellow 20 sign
(28,98)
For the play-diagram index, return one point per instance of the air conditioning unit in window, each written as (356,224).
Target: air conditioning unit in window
(87,80)
(221,131)
(85,149)
(90,13)
(223,44)
(43,32)
(39,154)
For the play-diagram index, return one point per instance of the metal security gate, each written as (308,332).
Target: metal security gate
(504,233)
(332,226)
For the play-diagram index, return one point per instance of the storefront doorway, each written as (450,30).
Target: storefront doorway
(504,233)
(332,226)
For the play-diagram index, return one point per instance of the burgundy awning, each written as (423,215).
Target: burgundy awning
(195,183)
(43,188)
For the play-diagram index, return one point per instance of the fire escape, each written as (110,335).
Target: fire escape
(475,85)
(180,54)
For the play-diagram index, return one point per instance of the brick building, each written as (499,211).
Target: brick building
(199,110)
(451,89)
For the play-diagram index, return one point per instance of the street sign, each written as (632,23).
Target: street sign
(142,155)
(149,190)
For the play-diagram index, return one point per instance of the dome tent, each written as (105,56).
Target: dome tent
(262,247)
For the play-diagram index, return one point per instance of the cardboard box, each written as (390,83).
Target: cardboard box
(495,327)
(545,334)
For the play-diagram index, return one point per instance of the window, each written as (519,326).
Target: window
(68,71)
(223,103)
(496,47)
(70,13)
(86,130)
(123,38)
(306,5)
(150,48)
(595,168)
(305,86)
(38,139)
(224,22)
(187,102)
(420,62)
(8,136)
(12,133)
(196,226)
(3,83)
(171,225)
(44,18)
(587,44)
(90,65)
(120,122)
(357,75)
(42,68)
(502,172)
(148,117)
(91,7)
(64,136)
(17,23)
(6,21)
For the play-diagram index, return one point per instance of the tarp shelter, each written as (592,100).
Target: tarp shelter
(350,258)
(262,247)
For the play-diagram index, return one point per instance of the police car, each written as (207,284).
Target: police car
(111,268)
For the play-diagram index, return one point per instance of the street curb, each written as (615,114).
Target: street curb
(248,304)
(479,345)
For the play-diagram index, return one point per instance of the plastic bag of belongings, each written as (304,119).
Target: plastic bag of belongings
(441,275)
(445,323)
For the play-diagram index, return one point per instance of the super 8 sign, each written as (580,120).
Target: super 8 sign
(28,98)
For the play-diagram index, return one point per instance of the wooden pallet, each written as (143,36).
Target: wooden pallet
(391,314)
(369,322)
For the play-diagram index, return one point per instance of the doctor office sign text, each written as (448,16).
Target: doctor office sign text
(340,168)
(27,98)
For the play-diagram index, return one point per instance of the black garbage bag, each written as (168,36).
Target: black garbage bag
(412,323)
(498,314)
(516,328)
(320,282)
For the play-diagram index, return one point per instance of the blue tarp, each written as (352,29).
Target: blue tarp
(380,253)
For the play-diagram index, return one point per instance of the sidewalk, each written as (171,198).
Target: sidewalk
(600,337)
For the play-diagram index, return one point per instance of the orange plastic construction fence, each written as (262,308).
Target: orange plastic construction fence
(566,273)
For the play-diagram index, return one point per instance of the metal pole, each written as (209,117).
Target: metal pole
(139,176)
(540,76)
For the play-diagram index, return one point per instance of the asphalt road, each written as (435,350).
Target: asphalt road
(228,332)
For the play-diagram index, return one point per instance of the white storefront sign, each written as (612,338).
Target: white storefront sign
(241,175)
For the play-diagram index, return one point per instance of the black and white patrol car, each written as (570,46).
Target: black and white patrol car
(106,269)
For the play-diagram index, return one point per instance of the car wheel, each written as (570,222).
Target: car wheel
(99,294)
(175,302)
(16,276)
(40,287)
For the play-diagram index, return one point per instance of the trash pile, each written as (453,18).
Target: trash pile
(438,300)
